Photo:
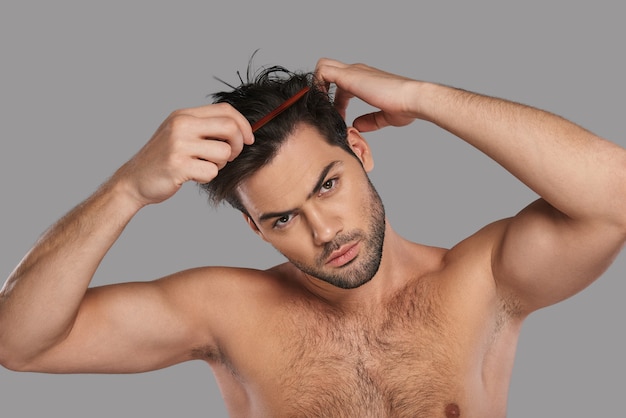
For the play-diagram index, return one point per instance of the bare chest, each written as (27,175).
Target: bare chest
(368,372)
(407,360)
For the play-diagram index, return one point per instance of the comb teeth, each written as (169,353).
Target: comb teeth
(280,109)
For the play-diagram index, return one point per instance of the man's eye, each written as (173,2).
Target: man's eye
(328,185)
(282,221)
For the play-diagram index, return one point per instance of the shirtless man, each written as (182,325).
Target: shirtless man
(359,322)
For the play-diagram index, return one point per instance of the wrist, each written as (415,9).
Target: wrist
(424,99)
(123,195)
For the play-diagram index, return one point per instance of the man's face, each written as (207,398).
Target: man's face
(315,204)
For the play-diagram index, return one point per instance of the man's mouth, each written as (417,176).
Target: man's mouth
(343,255)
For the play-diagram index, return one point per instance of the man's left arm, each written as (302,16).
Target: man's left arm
(557,245)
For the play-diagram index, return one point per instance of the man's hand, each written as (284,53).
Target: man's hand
(395,96)
(190,145)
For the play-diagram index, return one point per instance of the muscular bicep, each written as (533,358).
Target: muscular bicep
(543,257)
(131,327)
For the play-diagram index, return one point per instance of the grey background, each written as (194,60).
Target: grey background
(84,84)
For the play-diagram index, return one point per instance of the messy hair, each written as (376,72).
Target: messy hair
(257,97)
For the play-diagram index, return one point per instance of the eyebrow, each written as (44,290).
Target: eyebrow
(318,184)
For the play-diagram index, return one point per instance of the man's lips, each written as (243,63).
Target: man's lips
(343,255)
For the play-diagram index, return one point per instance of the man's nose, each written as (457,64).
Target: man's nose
(324,227)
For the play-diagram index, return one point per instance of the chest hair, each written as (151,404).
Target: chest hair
(395,361)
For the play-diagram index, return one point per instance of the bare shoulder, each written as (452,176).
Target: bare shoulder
(469,262)
(468,271)
(223,297)
(223,286)
(480,244)
(228,278)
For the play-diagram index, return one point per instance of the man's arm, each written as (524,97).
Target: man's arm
(557,245)
(45,304)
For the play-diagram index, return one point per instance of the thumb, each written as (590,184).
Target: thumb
(370,122)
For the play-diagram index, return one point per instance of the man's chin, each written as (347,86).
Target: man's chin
(359,277)
(339,282)
(348,285)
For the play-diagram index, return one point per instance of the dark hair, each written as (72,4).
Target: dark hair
(255,99)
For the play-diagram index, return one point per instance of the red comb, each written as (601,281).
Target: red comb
(280,109)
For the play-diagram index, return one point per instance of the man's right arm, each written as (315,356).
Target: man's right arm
(46,301)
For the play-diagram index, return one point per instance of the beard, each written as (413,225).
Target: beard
(363,268)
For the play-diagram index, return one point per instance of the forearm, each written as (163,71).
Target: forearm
(40,299)
(577,172)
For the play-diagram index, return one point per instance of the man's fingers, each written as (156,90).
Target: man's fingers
(326,71)
(202,171)
(341,101)
(226,130)
(326,68)
(215,151)
(189,128)
(370,122)
(220,111)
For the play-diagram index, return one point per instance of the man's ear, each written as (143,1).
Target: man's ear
(361,148)
(253,226)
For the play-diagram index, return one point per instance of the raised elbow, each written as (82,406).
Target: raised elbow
(13,357)
(12,362)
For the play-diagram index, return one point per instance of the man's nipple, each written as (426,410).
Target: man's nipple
(453,411)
